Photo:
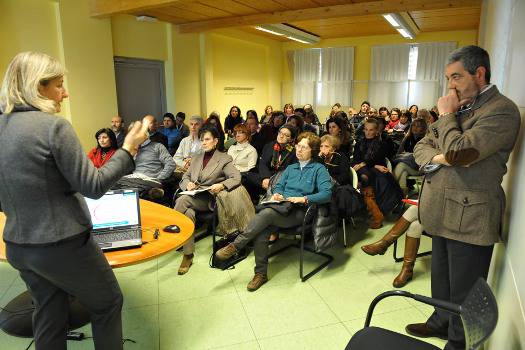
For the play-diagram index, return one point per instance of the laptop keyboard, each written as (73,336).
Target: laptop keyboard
(116,236)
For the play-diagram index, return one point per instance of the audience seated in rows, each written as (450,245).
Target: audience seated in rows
(302,183)
(265,118)
(174,130)
(214,119)
(359,118)
(275,157)
(233,118)
(338,165)
(243,154)
(106,147)
(369,160)
(288,110)
(211,168)
(269,131)
(153,167)
(154,134)
(404,163)
(256,137)
(337,126)
(117,125)
(190,146)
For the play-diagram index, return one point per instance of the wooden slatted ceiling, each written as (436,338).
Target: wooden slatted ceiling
(195,11)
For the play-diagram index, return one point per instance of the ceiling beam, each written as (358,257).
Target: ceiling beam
(347,10)
(106,8)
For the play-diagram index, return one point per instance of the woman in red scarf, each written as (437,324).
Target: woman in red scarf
(106,147)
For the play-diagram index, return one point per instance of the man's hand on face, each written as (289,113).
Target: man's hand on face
(450,103)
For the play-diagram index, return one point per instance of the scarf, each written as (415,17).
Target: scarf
(102,155)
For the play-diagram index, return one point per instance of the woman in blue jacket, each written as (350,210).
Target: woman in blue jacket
(301,183)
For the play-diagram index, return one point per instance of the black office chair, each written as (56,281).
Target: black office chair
(479,313)
(303,231)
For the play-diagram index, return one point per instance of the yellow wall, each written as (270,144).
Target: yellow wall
(362,54)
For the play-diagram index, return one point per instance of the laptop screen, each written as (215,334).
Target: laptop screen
(114,210)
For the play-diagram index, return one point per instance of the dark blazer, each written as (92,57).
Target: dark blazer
(264,167)
(465,201)
(339,168)
(220,169)
(44,176)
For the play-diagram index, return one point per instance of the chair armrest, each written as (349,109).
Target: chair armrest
(444,305)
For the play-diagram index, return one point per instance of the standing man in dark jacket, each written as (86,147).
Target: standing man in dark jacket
(462,202)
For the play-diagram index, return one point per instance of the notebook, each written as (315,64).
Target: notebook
(116,219)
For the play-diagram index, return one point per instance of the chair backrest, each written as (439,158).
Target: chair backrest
(479,313)
(355,180)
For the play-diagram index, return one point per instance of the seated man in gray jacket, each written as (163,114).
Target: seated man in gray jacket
(153,167)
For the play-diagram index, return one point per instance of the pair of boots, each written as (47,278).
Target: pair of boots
(411,248)
(375,213)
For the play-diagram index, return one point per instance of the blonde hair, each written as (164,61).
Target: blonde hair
(25,74)
(332,140)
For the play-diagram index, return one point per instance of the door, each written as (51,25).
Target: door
(140,88)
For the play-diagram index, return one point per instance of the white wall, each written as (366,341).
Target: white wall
(501,34)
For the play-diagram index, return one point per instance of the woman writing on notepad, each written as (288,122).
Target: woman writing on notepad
(47,231)
(213,169)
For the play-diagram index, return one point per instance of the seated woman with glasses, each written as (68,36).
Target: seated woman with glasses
(275,157)
(301,183)
(213,169)
(106,147)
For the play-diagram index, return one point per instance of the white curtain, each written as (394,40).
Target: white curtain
(306,71)
(431,61)
(388,84)
(337,71)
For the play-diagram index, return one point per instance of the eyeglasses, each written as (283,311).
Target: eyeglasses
(302,147)
(284,135)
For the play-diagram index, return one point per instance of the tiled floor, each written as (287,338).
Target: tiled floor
(211,309)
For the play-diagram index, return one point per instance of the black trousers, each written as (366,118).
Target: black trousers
(75,267)
(456,266)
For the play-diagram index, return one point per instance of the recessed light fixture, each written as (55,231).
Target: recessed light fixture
(290,32)
(398,22)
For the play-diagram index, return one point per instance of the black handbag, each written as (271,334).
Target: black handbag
(221,243)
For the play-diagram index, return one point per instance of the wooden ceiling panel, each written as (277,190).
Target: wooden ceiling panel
(164,15)
(230,6)
(203,9)
(264,5)
(298,4)
(447,19)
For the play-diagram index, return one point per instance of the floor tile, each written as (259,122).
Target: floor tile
(252,345)
(140,288)
(7,275)
(285,308)
(328,337)
(349,296)
(204,323)
(200,281)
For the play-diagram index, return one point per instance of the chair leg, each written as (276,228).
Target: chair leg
(419,255)
(344,232)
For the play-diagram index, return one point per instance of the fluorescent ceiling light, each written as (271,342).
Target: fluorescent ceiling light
(391,20)
(404,33)
(400,24)
(299,40)
(268,31)
(290,32)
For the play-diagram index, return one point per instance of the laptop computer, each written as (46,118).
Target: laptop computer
(116,219)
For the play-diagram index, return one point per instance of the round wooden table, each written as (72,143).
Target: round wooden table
(153,216)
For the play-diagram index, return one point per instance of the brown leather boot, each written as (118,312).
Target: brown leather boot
(409,259)
(382,245)
(371,205)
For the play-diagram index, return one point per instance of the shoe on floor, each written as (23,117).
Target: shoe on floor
(226,252)
(257,281)
(156,193)
(187,261)
(421,330)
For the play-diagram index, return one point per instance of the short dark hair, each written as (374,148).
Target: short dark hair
(472,57)
(292,129)
(365,103)
(169,115)
(181,115)
(111,135)
(211,129)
